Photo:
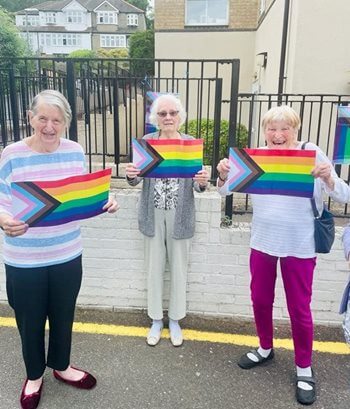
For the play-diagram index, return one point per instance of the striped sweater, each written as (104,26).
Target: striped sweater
(40,246)
(283,226)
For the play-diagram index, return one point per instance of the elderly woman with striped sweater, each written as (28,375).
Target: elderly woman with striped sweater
(43,264)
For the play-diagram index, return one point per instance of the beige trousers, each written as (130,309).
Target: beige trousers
(157,250)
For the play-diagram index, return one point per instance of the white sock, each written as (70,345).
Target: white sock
(304,372)
(175,328)
(263,352)
(157,326)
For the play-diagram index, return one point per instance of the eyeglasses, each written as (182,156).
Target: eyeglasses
(163,114)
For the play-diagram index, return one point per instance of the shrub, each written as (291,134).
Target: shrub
(206,132)
(141,47)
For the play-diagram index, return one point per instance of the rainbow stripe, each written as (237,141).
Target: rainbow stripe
(74,198)
(168,158)
(280,172)
(341,151)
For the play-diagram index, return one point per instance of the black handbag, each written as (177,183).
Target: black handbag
(324,226)
(324,229)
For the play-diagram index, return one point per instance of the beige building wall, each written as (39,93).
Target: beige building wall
(318,55)
(173,39)
(268,40)
(210,45)
(319,58)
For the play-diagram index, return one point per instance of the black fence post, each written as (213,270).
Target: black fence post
(14,105)
(3,124)
(116,121)
(217,127)
(71,96)
(232,125)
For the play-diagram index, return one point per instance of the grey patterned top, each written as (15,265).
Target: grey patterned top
(184,222)
(166,193)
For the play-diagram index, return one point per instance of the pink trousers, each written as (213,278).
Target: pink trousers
(297,276)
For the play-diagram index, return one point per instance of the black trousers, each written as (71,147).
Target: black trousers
(41,293)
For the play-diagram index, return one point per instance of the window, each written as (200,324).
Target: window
(133,20)
(57,39)
(206,12)
(262,7)
(50,18)
(107,17)
(112,41)
(74,16)
(30,38)
(31,20)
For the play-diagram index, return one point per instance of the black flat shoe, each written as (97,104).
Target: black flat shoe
(246,363)
(303,396)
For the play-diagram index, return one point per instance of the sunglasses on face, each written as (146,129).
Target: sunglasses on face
(163,114)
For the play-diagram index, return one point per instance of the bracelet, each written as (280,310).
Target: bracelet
(222,180)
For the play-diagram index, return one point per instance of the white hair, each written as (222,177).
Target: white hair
(153,117)
(53,98)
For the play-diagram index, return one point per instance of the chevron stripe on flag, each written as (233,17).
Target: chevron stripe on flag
(243,170)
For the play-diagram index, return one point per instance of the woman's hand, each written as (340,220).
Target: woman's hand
(223,169)
(131,171)
(12,227)
(324,171)
(111,206)
(202,178)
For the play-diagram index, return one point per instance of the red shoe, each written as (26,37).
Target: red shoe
(32,400)
(86,382)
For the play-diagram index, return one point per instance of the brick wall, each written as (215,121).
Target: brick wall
(218,280)
(170,14)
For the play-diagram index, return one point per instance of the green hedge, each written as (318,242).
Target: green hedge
(206,132)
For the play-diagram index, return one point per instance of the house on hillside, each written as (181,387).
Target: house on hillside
(291,46)
(60,27)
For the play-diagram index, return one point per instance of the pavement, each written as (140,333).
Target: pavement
(200,374)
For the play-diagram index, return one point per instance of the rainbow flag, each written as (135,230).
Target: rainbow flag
(54,202)
(168,158)
(272,171)
(341,150)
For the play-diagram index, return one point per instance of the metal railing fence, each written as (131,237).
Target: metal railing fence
(108,100)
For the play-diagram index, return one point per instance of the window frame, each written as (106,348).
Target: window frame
(60,39)
(76,16)
(50,18)
(262,7)
(107,38)
(133,19)
(206,23)
(31,20)
(107,14)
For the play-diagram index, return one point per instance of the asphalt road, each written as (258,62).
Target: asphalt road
(198,375)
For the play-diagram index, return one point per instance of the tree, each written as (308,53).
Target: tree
(206,131)
(82,54)
(141,4)
(141,45)
(12,45)
(113,53)
(16,5)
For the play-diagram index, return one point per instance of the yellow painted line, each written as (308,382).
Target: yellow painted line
(340,348)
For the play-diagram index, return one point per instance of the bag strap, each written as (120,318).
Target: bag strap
(312,200)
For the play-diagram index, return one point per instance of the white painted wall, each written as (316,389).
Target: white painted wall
(218,279)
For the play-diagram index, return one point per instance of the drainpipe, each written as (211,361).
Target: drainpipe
(283,50)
